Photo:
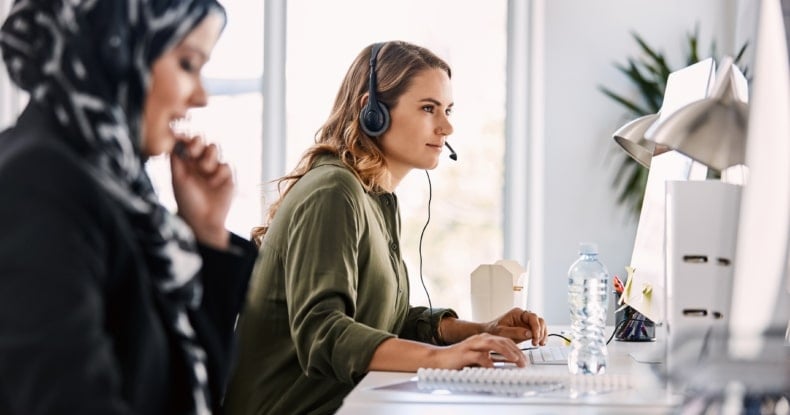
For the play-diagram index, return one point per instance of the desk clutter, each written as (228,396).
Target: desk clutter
(514,382)
(630,324)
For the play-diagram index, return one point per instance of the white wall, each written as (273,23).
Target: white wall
(581,41)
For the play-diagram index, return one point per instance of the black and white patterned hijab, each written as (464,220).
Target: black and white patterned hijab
(88,62)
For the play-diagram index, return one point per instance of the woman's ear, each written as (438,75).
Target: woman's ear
(363,100)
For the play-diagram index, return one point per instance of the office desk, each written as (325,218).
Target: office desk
(386,393)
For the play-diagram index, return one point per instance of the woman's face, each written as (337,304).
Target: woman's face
(176,86)
(419,124)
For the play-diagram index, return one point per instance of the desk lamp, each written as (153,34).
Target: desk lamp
(631,137)
(712,130)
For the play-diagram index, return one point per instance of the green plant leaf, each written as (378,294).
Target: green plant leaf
(632,180)
(713,49)
(693,56)
(646,86)
(657,57)
(626,103)
(625,167)
(739,55)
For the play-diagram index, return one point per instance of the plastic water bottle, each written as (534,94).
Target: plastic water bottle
(588,280)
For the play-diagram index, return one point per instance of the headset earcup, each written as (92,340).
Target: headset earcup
(374,119)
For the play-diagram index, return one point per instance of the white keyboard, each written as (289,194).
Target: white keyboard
(548,355)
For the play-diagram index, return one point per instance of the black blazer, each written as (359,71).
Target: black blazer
(79,328)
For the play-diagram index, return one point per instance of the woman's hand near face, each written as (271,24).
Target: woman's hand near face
(203,188)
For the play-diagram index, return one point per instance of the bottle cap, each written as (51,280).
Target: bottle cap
(588,248)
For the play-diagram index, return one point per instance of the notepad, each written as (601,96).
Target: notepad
(516,382)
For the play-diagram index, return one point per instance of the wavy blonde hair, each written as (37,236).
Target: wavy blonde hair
(397,64)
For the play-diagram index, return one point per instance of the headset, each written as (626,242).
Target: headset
(374,119)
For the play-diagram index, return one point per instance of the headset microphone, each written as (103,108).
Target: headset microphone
(453,155)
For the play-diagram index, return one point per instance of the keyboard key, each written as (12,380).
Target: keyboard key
(549,355)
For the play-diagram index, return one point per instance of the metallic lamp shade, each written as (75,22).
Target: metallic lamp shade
(631,137)
(712,130)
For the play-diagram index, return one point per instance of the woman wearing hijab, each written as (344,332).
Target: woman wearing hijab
(109,304)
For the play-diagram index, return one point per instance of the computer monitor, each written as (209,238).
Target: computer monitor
(761,286)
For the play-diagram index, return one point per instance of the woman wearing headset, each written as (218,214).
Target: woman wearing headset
(329,298)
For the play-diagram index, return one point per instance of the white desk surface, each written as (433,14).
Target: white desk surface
(649,395)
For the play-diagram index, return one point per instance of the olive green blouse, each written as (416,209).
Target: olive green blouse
(329,286)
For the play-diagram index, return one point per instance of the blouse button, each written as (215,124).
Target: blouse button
(394,246)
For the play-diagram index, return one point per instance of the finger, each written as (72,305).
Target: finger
(487,358)
(545,335)
(508,355)
(502,345)
(221,176)
(513,317)
(536,325)
(509,318)
(472,354)
(523,318)
(181,155)
(498,358)
(190,148)
(482,359)
(527,319)
(209,160)
(517,334)
(514,312)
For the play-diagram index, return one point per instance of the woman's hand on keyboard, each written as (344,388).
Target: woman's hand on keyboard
(476,351)
(519,325)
